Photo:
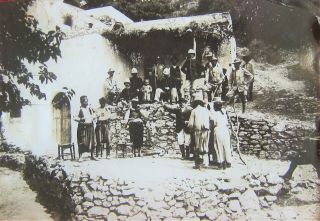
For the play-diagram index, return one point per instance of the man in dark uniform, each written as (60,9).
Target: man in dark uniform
(136,83)
(183,133)
(166,91)
(175,74)
(192,68)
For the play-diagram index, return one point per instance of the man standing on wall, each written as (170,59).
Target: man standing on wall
(175,74)
(247,64)
(214,76)
(111,87)
(157,72)
(192,68)
(136,83)
(239,80)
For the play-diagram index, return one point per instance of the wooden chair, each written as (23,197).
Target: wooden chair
(123,147)
(63,147)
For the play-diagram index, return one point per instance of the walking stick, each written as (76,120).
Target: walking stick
(236,135)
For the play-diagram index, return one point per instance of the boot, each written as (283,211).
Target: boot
(182,151)
(243,108)
(187,152)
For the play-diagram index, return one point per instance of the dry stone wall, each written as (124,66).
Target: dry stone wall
(264,138)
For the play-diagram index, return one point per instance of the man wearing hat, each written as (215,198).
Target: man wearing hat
(214,76)
(239,80)
(182,113)
(247,64)
(127,94)
(192,68)
(111,87)
(136,83)
(157,72)
(199,124)
(175,74)
(166,91)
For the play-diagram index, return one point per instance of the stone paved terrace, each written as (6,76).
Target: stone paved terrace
(160,188)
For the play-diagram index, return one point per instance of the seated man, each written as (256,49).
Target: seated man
(128,93)
(165,90)
(111,88)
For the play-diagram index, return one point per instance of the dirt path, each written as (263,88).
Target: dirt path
(17,201)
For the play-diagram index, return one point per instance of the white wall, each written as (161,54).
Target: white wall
(83,68)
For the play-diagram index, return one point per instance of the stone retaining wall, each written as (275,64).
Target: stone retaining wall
(261,137)
(271,140)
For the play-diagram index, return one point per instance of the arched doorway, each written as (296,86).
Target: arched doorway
(62,118)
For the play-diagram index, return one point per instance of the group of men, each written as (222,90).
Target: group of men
(201,122)
(168,84)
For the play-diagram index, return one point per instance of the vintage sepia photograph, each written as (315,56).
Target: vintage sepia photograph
(147,110)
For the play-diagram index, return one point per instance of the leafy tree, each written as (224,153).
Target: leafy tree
(21,42)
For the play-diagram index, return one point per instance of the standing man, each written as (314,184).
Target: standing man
(247,64)
(239,80)
(111,87)
(134,117)
(103,132)
(192,68)
(136,83)
(157,72)
(175,74)
(85,131)
(183,133)
(199,124)
(214,77)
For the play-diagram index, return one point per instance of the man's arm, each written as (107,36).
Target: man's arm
(191,120)
(248,75)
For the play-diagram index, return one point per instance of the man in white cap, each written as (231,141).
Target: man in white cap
(111,87)
(214,76)
(192,68)
(239,80)
(136,83)
(166,91)
(199,124)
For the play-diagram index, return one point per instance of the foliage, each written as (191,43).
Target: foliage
(21,42)
(138,9)
(160,42)
(63,98)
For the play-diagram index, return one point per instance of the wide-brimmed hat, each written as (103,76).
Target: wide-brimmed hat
(126,81)
(134,71)
(135,99)
(217,100)
(191,51)
(236,61)
(111,71)
(166,71)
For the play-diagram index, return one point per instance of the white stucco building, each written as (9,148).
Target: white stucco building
(86,56)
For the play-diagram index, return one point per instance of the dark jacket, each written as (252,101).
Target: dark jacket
(192,68)
(136,83)
(175,74)
(166,82)
(128,94)
(181,117)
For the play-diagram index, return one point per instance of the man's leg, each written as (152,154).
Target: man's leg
(174,95)
(181,143)
(187,142)
(250,92)
(243,98)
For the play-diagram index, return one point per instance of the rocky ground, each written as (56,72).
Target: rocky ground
(17,201)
